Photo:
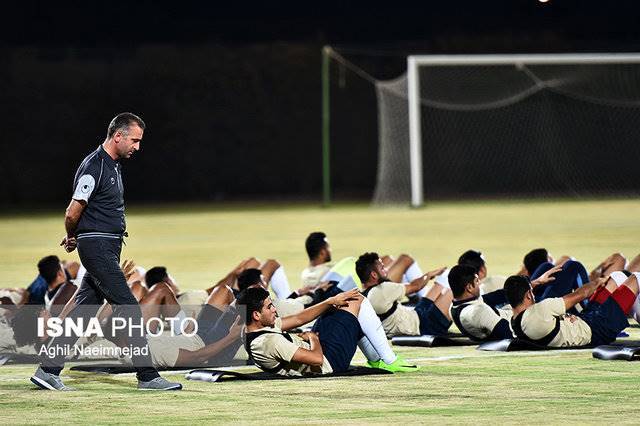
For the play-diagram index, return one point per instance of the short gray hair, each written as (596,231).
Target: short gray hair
(122,121)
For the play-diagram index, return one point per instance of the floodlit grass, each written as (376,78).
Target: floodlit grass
(199,244)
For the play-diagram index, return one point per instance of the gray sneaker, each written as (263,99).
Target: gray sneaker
(48,381)
(159,383)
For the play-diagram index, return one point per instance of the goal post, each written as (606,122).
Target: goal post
(415,88)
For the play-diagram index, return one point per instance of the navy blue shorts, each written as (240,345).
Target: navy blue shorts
(606,320)
(432,320)
(207,320)
(339,332)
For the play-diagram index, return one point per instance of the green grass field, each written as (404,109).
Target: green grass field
(199,244)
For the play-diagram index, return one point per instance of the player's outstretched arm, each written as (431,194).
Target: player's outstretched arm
(313,312)
(572,299)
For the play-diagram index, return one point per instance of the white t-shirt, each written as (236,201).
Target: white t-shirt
(404,321)
(165,348)
(271,349)
(312,275)
(479,320)
(540,319)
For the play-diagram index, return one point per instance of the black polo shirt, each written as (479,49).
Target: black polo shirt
(98,182)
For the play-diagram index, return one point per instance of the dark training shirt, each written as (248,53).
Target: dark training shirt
(98,182)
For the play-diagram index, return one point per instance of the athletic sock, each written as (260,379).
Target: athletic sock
(413,272)
(177,324)
(372,329)
(280,284)
(368,350)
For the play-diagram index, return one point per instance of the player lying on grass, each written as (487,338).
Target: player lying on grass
(54,281)
(486,317)
(537,257)
(401,269)
(547,323)
(331,345)
(488,283)
(430,315)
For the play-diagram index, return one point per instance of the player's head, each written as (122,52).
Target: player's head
(260,309)
(50,269)
(370,269)
(464,279)
(535,258)
(517,290)
(475,259)
(251,277)
(318,247)
(156,275)
(126,130)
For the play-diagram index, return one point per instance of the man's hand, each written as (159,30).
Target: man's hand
(546,278)
(307,336)
(308,289)
(69,243)
(325,285)
(128,268)
(432,274)
(342,299)
(236,328)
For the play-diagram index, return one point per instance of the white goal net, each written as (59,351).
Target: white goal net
(509,125)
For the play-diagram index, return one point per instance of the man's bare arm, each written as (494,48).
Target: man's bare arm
(311,313)
(71,220)
(200,356)
(419,283)
(311,356)
(571,299)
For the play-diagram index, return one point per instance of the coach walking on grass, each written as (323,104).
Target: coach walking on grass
(95,223)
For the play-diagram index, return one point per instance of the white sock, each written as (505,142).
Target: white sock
(347,283)
(368,350)
(280,284)
(413,272)
(177,329)
(424,290)
(372,329)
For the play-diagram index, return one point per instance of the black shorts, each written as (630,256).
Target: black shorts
(339,332)
(606,321)
(432,320)
(207,320)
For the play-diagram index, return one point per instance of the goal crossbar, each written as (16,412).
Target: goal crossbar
(415,61)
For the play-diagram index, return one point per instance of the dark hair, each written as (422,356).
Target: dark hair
(48,268)
(515,288)
(535,258)
(24,324)
(459,277)
(122,122)
(155,275)
(315,242)
(253,298)
(472,258)
(365,265)
(249,277)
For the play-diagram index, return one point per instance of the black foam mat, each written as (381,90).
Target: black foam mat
(123,369)
(431,341)
(513,345)
(217,376)
(615,352)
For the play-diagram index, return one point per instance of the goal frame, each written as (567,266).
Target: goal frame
(414,62)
